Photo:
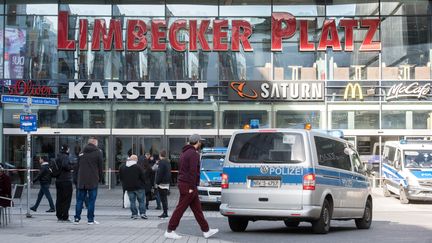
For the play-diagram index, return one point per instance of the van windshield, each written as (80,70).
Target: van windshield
(267,147)
(418,159)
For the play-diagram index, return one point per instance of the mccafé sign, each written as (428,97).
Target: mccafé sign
(283,26)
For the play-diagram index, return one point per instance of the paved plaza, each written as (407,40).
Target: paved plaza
(393,222)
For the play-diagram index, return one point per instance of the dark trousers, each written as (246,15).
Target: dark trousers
(163,193)
(81,196)
(63,200)
(188,200)
(157,198)
(44,190)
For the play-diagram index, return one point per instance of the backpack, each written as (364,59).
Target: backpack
(55,167)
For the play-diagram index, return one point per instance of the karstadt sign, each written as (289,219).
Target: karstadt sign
(135,90)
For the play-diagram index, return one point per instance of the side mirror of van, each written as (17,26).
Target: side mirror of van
(348,151)
(369,168)
(397,165)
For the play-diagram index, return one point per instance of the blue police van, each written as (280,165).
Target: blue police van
(209,189)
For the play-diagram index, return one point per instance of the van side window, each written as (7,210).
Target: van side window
(391,154)
(331,153)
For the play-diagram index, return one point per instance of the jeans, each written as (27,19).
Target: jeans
(81,195)
(133,196)
(163,193)
(64,197)
(44,190)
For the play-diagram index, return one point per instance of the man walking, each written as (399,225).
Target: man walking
(63,184)
(163,179)
(133,181)
(89,174)
(188,180)
(44,177)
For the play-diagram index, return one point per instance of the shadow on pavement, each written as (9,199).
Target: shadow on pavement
(341,231)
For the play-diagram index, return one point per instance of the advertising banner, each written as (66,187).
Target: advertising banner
(15,41)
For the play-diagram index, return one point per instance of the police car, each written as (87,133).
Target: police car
(407,170)
(294,176)
(209,189)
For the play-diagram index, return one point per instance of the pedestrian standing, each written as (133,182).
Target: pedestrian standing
(5,188)
(188,181)
(89,174)
(44,177)
(147,162)
(163,178)
(133,181)
(64,184)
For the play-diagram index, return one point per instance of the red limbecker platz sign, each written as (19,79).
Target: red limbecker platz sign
(283,26)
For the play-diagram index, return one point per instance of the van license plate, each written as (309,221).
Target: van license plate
(265,183)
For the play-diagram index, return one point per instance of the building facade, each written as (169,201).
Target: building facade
(143,75)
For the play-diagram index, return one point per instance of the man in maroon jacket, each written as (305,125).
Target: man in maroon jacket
(188,181)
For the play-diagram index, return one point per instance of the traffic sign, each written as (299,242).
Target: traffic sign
(25,100)
(28,123)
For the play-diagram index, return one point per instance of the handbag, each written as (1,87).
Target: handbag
(126,201)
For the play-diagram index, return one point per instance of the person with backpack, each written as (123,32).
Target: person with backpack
(62,170)
(44,177)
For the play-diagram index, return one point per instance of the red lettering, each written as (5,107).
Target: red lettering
(113,33)
(348,25)
(329,27)
(29,89)
(238,36)
(201,35)
(305,45)
(219,35)
(63,43)
(175,27)
(157,35)
(136,30)
(83,32)
(279,33)
(368,43)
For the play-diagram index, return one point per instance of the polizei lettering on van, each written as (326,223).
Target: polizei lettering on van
(272,170)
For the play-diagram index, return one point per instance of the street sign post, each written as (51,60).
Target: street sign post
(28,123)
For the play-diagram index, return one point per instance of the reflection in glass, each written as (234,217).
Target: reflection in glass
(138,119)
(421,119)
(394,119)
(339,120)
(139,10)
(191,119)
(352,8)
(366,120)
(297,119)
(236,119)
(300,8)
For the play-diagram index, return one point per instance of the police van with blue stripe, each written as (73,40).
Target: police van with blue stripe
(294,176)
(209,189)
(407,170)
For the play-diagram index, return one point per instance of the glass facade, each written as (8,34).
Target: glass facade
(362,90)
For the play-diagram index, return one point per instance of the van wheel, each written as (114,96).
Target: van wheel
(386,191)
(322,225)
(291,224)
(366,221)
(403,196)
(238,224)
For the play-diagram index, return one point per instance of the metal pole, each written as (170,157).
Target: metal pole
(28,215)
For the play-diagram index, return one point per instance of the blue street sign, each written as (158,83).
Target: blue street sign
(45,101)
(15,99)
(28,123)
(254,123)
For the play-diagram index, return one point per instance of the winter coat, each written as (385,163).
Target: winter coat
(44,175)
(189,167)
(132,176)
(89,167)
(66,167)
(5,190)
(163,173)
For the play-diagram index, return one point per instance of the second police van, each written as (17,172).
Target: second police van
(209,189)
(294,176)
(407,170)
